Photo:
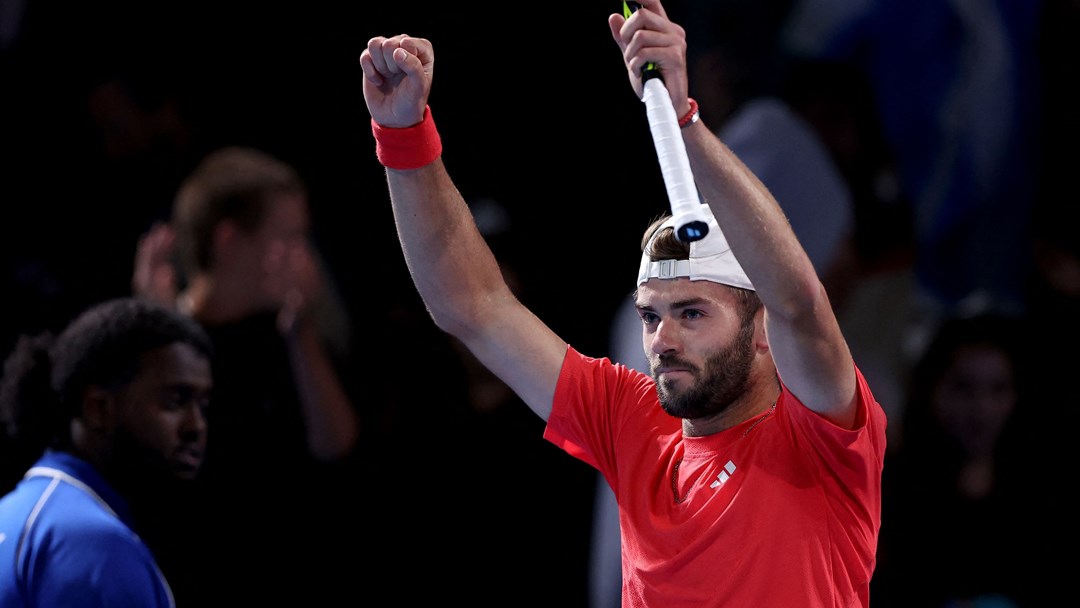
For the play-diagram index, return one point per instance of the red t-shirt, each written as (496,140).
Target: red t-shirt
(782,510)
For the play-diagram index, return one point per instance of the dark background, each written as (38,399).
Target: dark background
(534,110)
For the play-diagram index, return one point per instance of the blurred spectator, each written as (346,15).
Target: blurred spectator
(285,431)
(961,497)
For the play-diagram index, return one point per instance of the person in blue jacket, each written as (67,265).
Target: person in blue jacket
(111,408)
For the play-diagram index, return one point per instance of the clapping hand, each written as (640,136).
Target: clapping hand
(155,276)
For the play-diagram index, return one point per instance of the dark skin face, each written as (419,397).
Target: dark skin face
(158,422)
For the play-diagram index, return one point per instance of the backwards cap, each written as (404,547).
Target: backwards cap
(711,259)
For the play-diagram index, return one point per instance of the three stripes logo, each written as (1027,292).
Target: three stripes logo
(724,475)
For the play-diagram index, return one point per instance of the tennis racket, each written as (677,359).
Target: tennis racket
(691,223)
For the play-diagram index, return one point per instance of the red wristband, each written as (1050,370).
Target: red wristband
(692,116)
(409,147)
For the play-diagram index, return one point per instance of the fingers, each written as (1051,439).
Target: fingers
(388,57)
(663,49)
(293,279)
(615,23)
(159,237)
(650,38)
(417,56)
(373,62)
(290,313)
(154,276)
(653,6)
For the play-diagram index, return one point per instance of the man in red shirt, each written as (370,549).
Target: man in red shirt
(747,468)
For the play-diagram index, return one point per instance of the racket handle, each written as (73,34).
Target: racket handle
(691,223)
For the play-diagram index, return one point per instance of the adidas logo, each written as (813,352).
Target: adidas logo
(724,475)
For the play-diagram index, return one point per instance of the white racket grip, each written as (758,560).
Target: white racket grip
(670,149)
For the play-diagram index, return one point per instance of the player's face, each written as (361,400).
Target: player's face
(160,416)
(699,346)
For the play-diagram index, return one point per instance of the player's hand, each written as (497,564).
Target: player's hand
(397,79)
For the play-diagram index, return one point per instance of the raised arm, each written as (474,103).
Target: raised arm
(450,263)
(808,348)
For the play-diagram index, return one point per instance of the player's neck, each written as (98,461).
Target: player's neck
(757,400)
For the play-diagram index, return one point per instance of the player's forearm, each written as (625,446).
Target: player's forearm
(754,224)
(450,263)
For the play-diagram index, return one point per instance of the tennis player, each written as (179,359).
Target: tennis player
(747,465)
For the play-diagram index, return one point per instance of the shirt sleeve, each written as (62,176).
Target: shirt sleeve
(106,568)
(595,402)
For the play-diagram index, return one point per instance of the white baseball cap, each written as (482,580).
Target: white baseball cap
(711,259)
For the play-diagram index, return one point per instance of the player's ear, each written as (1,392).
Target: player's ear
(761,341)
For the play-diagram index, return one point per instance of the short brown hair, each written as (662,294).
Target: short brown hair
(233,183)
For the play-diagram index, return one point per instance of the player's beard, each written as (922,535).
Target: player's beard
(724,377)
